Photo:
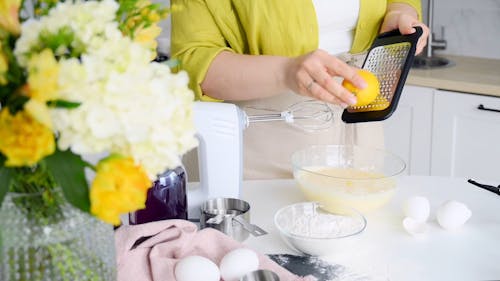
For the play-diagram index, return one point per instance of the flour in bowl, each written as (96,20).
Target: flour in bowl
(321,225)
(309,229)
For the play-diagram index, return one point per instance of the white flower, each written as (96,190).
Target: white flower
(47,230)
(128,105)
(93,24)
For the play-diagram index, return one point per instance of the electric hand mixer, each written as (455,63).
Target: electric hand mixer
(220,132)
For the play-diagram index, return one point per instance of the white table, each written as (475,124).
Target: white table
(384,249)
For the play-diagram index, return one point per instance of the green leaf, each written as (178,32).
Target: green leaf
(63,43)
(16,103)
(67,169)
(64,104)
(6,176)
(16,76)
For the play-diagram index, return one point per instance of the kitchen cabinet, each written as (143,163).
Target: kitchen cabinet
(408,130)
(443,133)
(465,139)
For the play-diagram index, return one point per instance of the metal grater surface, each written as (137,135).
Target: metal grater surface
(387,63)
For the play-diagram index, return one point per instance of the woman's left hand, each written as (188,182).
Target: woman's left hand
(404,18)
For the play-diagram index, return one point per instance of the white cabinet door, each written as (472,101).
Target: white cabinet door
(465,139)
(407,132)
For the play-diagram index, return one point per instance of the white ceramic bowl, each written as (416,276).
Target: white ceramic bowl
(309,229)
(345,176)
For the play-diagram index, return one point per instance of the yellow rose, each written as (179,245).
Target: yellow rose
(23,140)
(120,186)
(9,16)
(43,76)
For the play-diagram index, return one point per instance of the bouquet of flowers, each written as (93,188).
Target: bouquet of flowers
(77,82)
(77,79)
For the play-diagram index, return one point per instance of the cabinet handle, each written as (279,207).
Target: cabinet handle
(481,107)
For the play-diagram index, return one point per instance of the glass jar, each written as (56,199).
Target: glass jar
(43,237)
(166,199)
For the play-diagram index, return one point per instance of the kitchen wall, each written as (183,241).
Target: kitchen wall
(472,28)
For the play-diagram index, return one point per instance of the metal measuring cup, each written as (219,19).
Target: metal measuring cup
(260,275)
(230,216)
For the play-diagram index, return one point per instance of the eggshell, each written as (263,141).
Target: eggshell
(417,208)
(196,268)
(414,227)
(237,263)
(452,215)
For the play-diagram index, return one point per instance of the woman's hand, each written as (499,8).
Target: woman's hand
(313,75)
(404,18)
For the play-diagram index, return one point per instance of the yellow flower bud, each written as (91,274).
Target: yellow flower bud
(154,17)
(9,19)
(130,23)
(145,12)
(43,76)
(147,36)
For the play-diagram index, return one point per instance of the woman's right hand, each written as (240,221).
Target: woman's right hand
(313,75)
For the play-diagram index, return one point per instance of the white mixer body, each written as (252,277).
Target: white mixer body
(220,133)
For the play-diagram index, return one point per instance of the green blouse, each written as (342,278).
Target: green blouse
(201,29)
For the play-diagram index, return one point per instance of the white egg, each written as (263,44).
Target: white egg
(417,208)
(237,263)
(196,268)
(414,227)
(452,214)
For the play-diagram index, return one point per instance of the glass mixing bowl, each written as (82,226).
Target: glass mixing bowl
(309,229)
(340,176)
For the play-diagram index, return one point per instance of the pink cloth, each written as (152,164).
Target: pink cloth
(155,258)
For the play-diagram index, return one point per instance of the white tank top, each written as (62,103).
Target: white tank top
(336,21)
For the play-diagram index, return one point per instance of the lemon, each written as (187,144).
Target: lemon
(367,95)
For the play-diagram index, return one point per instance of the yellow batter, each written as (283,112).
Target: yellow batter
(337,188)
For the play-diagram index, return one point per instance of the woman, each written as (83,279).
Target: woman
(272,53)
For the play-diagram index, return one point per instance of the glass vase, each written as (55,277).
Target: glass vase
(42,237)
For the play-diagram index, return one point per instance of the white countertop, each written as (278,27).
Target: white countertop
(468,74)
(384,250)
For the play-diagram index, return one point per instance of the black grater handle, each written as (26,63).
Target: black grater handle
(395,32)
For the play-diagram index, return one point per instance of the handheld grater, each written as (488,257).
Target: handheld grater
(390,58)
